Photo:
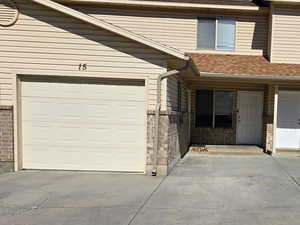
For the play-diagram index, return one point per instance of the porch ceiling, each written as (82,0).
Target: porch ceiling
(242,65)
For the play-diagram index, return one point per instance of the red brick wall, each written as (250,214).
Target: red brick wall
(6,134)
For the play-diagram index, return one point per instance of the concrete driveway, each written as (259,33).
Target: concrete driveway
(225,190)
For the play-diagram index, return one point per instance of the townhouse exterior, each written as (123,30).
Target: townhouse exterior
(128,85)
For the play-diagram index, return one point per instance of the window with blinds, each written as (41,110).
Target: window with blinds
(216,33)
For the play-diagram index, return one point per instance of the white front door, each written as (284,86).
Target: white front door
(288,118)
(249,118)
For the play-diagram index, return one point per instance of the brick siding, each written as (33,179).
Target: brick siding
(173,140)
(6,134)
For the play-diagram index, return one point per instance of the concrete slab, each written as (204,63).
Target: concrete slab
(59,197)
(226,165)
(291,165)
(230,190)
(208,190)
(268,216)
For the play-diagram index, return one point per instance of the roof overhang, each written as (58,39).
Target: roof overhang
(246,76)
(112,28)
(161,4)
(242,67)
(284,2)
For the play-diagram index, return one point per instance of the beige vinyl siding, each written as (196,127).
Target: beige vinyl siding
(172,94)
(179,29)
(6,88)
(44,40)
(286,35)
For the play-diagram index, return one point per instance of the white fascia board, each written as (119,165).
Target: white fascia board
(166,4)
(247,76)
(284,1)
(112,28)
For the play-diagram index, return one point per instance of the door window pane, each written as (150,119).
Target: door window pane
(206,33)
(204,108)
(226,34)
(223,109)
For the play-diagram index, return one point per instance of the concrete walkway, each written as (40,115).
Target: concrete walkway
(210,190)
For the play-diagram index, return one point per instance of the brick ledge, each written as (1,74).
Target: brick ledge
(165,113)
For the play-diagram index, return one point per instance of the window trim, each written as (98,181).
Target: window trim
(214,107)
(216,19)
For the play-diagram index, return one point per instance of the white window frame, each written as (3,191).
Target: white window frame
(216,19)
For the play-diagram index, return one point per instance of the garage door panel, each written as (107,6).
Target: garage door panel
(113,162)
(288,129)
(35,132)
(35,109)
(127,93)
(83,126)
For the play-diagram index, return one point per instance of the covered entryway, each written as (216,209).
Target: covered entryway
(73,124)
(288,120)
(249,121)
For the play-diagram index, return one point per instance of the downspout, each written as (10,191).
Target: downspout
(157,112)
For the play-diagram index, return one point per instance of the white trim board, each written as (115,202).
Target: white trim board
(165,4)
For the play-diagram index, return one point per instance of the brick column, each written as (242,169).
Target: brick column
(6,137)
(173,140)
(270,122)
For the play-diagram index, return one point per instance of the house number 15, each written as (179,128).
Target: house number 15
(82,67)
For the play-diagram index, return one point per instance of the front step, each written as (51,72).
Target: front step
(226,150)
(287,153)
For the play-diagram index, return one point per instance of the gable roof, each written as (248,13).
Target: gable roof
(243,66)
(112,28)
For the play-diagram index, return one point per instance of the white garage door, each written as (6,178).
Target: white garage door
(288,120)
(83,126)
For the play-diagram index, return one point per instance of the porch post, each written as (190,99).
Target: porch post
(189,113)
(275,118)
(271,117)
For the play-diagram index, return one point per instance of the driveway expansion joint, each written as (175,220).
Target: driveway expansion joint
(292,178)
(146,201)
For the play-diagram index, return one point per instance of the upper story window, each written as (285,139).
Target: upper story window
(216,33)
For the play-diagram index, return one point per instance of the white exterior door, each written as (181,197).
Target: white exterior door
(288,120)
(249,118)
(83,126)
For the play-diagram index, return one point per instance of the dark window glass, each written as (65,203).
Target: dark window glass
(204,108)
(206,33)
(223,109)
